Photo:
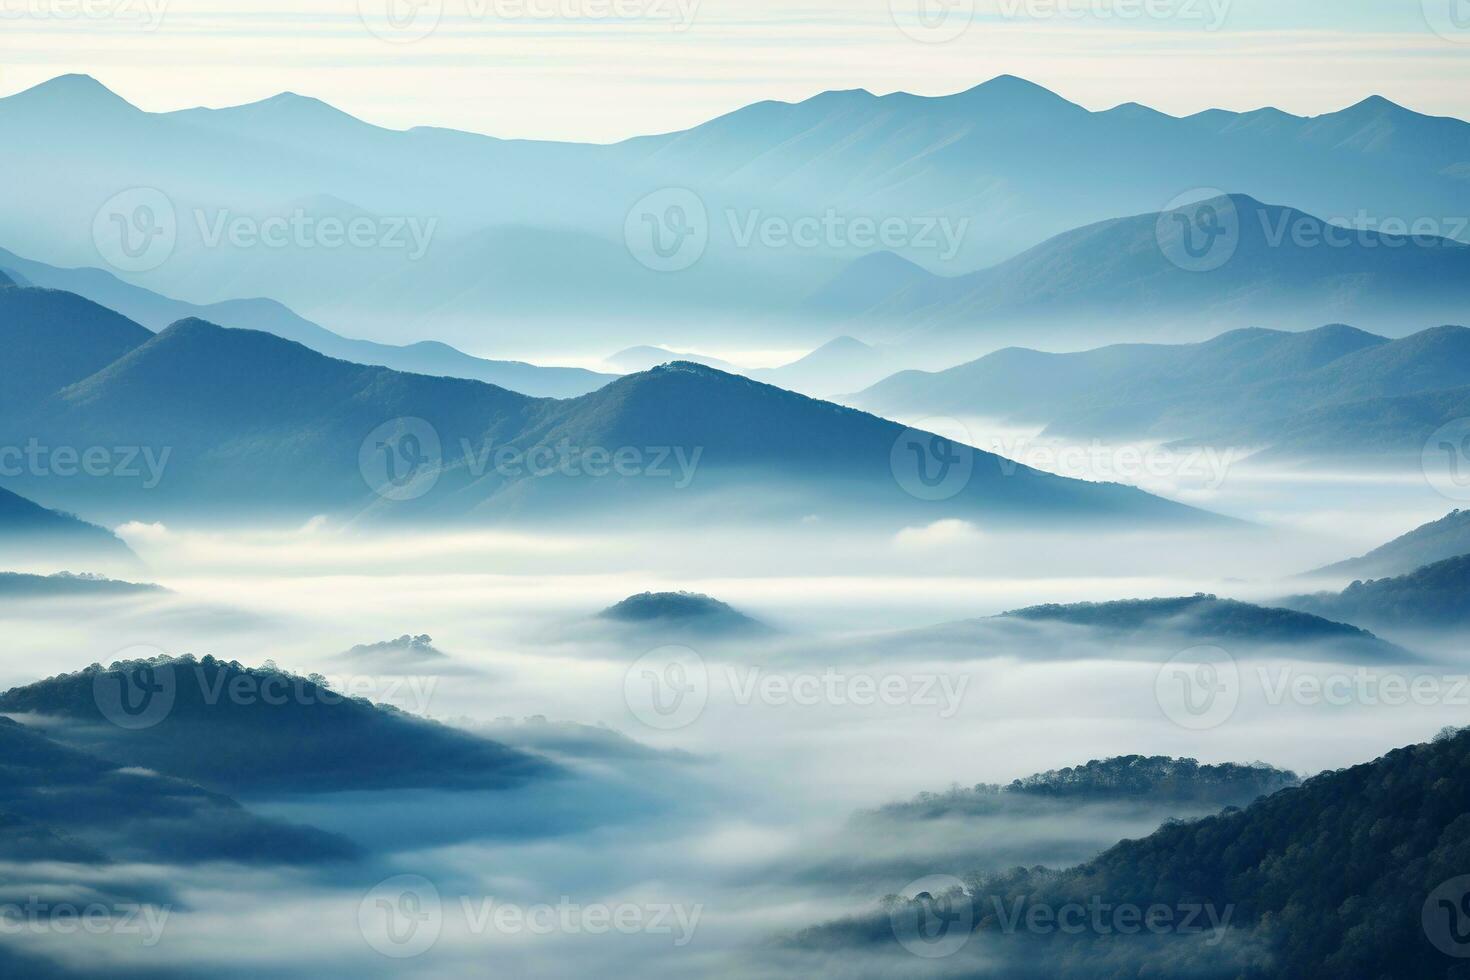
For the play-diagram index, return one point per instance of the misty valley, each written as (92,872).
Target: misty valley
(928,532)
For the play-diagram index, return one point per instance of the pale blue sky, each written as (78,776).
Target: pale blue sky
(524,68)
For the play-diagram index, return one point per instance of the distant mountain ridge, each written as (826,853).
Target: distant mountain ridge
(1448,537)
(1276,265)
(1292,392)
(1015,164)
(156,312)
(256,421)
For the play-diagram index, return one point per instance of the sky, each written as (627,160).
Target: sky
(602,70)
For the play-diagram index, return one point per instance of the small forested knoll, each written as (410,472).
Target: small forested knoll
(260,730)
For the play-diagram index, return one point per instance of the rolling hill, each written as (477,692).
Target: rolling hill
(1334,389)
(1121,277)
(257,422)
(1436,596)
(258,731)
(1448,537)
(156,312)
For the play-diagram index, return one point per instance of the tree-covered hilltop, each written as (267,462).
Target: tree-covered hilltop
(682,610)
(1207,618)
(258,730)
(1435,596)
(1129,777)
(1340,877)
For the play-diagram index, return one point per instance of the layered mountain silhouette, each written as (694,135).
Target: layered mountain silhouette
(252,420)
(1436,596)
(1448,537)
(1127,276)
(1008,164)
(1123,778)
(258,731)
(34,531)
(1308,895)
(1294,392)
(156,312)
(68,805)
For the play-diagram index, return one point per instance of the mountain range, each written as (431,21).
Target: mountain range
(154,311)
(1004,167)
(1357,872)
(1448,537)
(248,420)
(1310,393)
(1129,277)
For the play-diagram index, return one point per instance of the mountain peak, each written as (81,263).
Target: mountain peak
(71,93)
(1015,91)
